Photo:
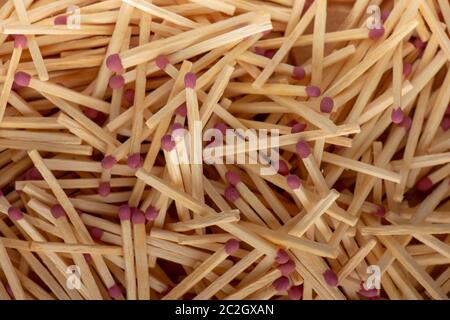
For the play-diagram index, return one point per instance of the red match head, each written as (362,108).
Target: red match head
(33,174)
(281,284)
(22,79)
(222,127)
(115,292)
(108,162)
(385,14)
(161,62)
(298,127)
(380,212)
(376,33)
(231,246)
(190,80)
(298,73)
(407,68)
(326,105)
(424,184)
(20,41)
(129,96)
(151,213)
(406,123)
(104,188)
(60,21)
(114,63)
(167,143)
(293,181)
(116,82)
(90,113)
(295,292)
(287,268)
(57,211)
(232,177)
(283,168)
(303,149)
(15,214)
(134,161)
(397,115)
(137,216)
(312,91)
(232,194)
(124,212)
(282,256)
(445,123)
(330,278)
(96,233)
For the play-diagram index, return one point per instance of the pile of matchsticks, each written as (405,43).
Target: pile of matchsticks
(97,98)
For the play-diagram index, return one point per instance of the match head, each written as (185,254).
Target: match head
(287,268)
(445,123)
(259,51)
(104,188)
(151,213)
(108,162)
(385,14)
(297,126)
(134,160)
(368,293)
(447,111)
(161,62)
(295,292)
(397,115)
(232,194)
(115,292)
(116,82)
(178,131)
(406,123)
(182,110)
(33,174)
(283,168)
(231,246)
(293,181)
(60,21)
(190,80)
(330,278)
(376,33)
(419,44)
(269,54)
(303,149)
(298,73)
(129,95)
(20,41)
(22,79)
(167,143)
(88,258)
(312,91)
(424,184)
(114,63)
(407,68)
(90,113)
(282,256)
(57,211)
(380,212)
(15,214)
(137,216)
(326,105)
(232,177)
(281,284)
(222,127)
(96,233)
(124,212)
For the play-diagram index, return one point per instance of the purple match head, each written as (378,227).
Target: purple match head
(407,68)
(231,246)
(176,126)
(108,162)
(380,212)
(20,41)
(424,184)
(283,168)
(232,177)
(88,258)
(116,82)
(137,216)
(419,44)
(60,21)
(90,113)
(297,127)
(326,105)
(298,73)
(124,212)
(397,115)
(232,194)
(222,127)
(447,111)
(376,33)
(259,51)
(151,213)
(190,80)
(295,292)
(281,284)
(22,79)
(303,149)
(134,160)
(282,256)
(33,174)
(293,181)
(104,188)
(445,123)
(114,63)
(368,293)
(406,123)
(330,278)
(312,91)
(57,211)
(115,292)
(287,268)
(15,214)
(385,14)
(182,110)
(129,95)
(167,143)
(96,233)
(178,131)
(162,62)
(269,54)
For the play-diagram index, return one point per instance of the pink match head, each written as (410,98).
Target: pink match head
(134,160)
(151,213)
(60,21)
(176,126)
(424,184)
(33,174)
(269,54)
(445,123)
(182,110)
(190,80)
(20,41)
(137,216)
(295,292)
(96,233)
(90,113)
(124,212)
(298,127)
(326,105)
(397,115)
(419,44)
(298,73)
(57,211)
(376,33)
(167,143)
(259,51)
(108,162)
(368,293)
(104,188)
(303,149)
(330,278)
(385,14)
(283,168)
(380,212)
(162,62)
(129,96)
(222,127)
(14,213)
(88,258)
(447,111)
(231,246)
(312,91)
(114,63)
(232,194)
(115,292)
(293,181)
(116,82)
(287,268)
(232,177)
(178,131)
(406,123)
(22,79)
(282,256)
(281,284)
(407,68)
